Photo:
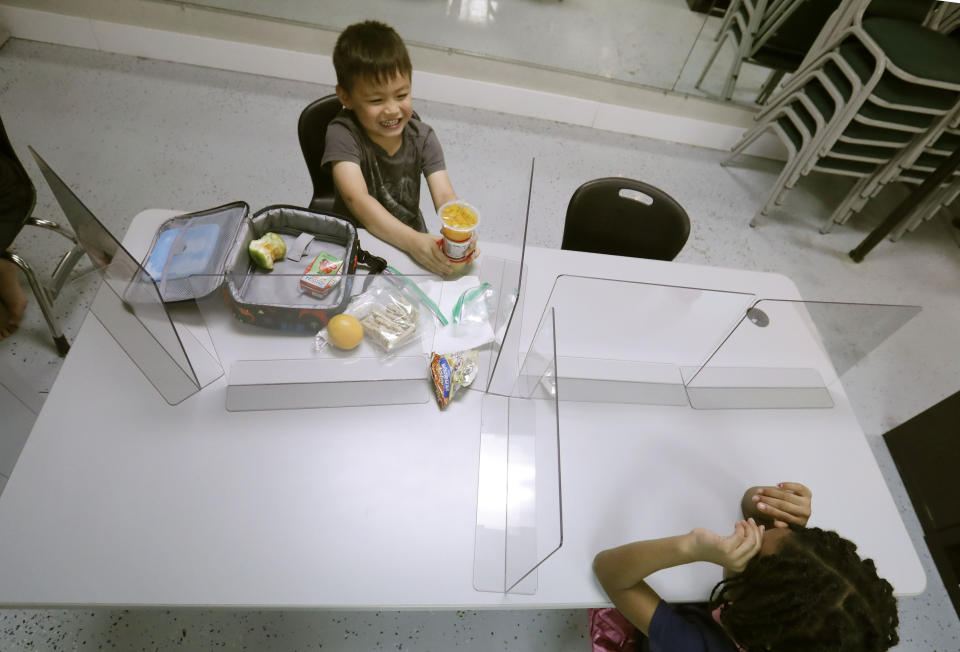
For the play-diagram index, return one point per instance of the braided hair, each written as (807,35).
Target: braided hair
(814,593)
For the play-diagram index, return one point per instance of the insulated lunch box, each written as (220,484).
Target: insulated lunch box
(196,254)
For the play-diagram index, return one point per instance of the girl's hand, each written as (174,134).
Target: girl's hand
(425,250)
(788,502)
(733,551)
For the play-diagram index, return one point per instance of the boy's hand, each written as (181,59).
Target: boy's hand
(733,551)
(472,249)
(424,249)
(788,502)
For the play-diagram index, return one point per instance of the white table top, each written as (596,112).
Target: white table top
(121,499)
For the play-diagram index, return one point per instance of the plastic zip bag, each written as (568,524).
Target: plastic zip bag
(390,316)
(470,326)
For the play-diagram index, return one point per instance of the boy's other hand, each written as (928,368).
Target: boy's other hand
(732,551)
(788,502)
(425,250)
(472,249)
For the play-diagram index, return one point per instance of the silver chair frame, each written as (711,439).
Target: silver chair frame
(46,293)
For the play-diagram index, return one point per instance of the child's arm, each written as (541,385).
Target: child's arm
(621,570)
(788,502)
(422,246)
(441,190)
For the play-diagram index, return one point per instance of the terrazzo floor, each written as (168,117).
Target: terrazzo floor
(129,134)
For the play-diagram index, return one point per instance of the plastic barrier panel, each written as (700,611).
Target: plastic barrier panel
(519,506)
(365,340)
(128,305)
(791,354)
(626,342)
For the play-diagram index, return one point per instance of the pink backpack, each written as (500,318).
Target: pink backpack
(610,631)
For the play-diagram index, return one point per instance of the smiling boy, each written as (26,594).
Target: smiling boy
(378,149)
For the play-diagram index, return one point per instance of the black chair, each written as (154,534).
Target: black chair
(624,217)
(312,129)
(17,199)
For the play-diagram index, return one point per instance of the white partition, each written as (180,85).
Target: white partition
(656,344)
(519,502)
(130,308)
(814,343)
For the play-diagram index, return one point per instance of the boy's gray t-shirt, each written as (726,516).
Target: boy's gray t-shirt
(394,181)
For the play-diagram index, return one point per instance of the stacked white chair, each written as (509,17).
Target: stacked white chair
(945,18)
(765,33)
(916,162)
(865,104)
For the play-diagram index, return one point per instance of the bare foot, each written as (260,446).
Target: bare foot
(13,302)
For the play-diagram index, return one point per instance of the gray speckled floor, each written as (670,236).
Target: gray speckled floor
(294,631)
(130,134)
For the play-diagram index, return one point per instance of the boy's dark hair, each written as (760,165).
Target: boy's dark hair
(814,593)
(371,51)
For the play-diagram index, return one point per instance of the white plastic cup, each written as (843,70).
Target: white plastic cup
(456,234)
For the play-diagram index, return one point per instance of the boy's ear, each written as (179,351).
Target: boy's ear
(343,96)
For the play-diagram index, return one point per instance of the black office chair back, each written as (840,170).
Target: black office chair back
(312,129)
(624,217)
(17,193)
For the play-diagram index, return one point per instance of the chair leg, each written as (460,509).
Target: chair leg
(850,204)
(727,19)
(43,300)
(921,213)
(773,79)
(64,267)
(713,56)
(777,191)
(731,82)
(751,135)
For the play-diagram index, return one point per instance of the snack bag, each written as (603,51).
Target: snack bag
(450,372)
(391,323)
(389,318)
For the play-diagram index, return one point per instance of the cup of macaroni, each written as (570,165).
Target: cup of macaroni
(459,220)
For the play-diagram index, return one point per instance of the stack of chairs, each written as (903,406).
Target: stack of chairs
(775,34)
(946,194)
(945,18)
(876,90)
(914,164)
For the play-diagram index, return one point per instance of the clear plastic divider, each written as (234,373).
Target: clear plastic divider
(519,504)
(626,342)
(478,307)
(504,357)
(264,327)
(128,305)
(791,353)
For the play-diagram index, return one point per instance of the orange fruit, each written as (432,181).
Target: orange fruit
(344,332)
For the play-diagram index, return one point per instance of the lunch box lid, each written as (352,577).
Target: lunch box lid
(189,252)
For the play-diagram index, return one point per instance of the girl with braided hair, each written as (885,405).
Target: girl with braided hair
(786,587)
